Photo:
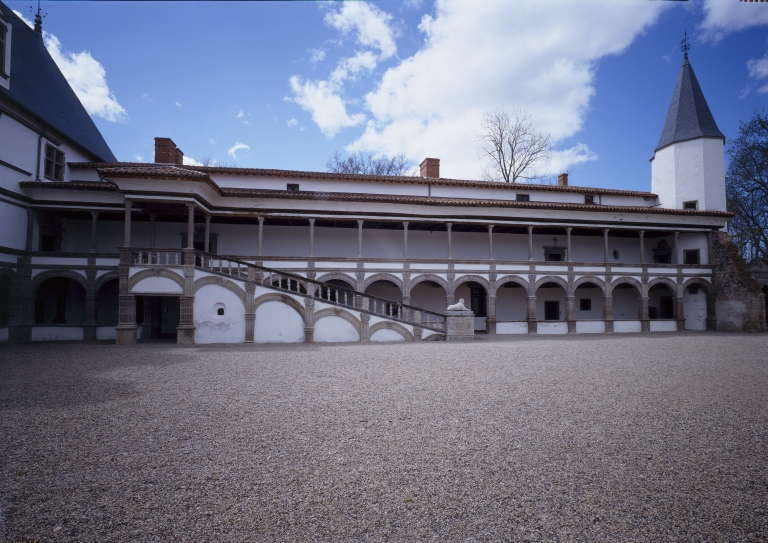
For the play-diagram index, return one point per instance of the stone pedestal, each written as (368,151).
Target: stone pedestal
(459,325)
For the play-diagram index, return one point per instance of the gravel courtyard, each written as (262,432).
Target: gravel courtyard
(580,438)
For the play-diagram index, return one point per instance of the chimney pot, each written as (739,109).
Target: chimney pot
(430,167)
(562,180)
(165,151)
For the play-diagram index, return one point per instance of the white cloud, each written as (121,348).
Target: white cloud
(758,69)
(317,55)
(238,147)
(292,122)
(562,160)
(139,158)
(178,104)
(86,76)
(521,54)
(322,100)
(240,114)
(371,26)
(189,161)
(211,141)
(722,17)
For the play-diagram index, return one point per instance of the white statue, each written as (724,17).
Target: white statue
(457,307)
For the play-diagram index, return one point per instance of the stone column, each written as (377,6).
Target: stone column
(126,327)
(711,312)
(605,245)
(89,326)
(530,243)
(405,240)
(449,225)
(449,293)
(22,310)
(250,310)
(490,320)
(531,314)
(309,320)
(359,239)
(570,314)
(261,233)
(365,320)
(207,243)
(490,242)
(152,230)
(642,246)
(146,324)
(568,249)
(127,241)
(31,214)
(679,309)
(191,226)
(608,313)
(185,332)
(94,217)
(645,321)
(675,245)
(407,286)
(311,237)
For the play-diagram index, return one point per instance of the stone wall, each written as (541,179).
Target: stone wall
(739,301)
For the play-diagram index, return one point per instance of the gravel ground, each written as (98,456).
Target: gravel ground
(581,438)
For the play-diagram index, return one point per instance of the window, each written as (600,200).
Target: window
(523,198)
(293,186)
(54,163)
(553,253)
(691,257)
(3,31)
(589,199)
(616,254)
(585,304)
(554,257)
(220,311)
(691,205)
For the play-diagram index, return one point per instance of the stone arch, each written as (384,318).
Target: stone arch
(510,279)
(628,280)
(283,298)
(338,312)
(476,278)
(589,279)
(8,273)
(383,277)
(429,277)
(662,281)
(223,282)
(38,279)
(107,277)
(155,272)
(551,279)
(389,325)
(337,276)
(700,281)
(698,316)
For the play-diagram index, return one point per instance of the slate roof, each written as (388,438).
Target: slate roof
(39,87)
(689,116)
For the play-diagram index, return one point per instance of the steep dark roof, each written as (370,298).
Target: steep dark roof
(689,116)
(39,87)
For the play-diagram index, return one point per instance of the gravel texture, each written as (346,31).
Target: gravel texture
(657,437)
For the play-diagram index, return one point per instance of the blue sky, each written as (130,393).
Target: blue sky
(292,82)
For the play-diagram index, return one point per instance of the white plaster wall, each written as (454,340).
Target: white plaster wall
(663,326)
(547,294)
(157,285)
(504,328)
(627,327)
(695,310)
(511,304)
(57,333)
(426,244)
(386,335)
(4,334)
(19,148)
(109,332)
(469,245)
(8,28)
(714,175)
(584,248)
(212,328)
(334,329)
(663,177)
(590,327)
(550,327)
(626,305)
(425,296)
(690,170)
(278,323)
(693,241)
(594,294)
(13,226)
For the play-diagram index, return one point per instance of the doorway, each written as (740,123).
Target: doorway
(552,310)
(164,316)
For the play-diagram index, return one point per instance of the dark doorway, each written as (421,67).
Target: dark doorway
(551,310)
(666,307)
(60,300)
(164,315)
(5,298)
(479,301)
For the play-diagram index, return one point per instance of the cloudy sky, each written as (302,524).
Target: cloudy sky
(286,84)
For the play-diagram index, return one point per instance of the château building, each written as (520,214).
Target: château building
(93,248)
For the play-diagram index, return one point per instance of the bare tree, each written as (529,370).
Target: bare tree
(356,163)
(511,147)
(746,186)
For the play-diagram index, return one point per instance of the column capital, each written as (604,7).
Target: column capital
(128,204)
(490,227)
(191,206)
(360,222)
(405,224)
(311,221)
(95,215)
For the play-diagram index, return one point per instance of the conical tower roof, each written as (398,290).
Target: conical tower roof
(689,116)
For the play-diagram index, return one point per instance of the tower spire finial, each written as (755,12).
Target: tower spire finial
(38,21)
(684,45)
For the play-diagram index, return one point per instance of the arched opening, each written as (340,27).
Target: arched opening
(588,302)
(60,300)
(108,305)
(387,290)
(429,295)
(5,299)
(661,302)
(550,302)
(626,302)
(340,294)
(695,306)
(511,302)
(475,298)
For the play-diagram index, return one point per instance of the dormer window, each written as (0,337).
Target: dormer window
(54,163)
(293,187)
(523,198)
(694,205)
(3,38)
(589,199)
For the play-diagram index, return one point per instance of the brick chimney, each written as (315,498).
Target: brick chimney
(166,152)
(562,180)
(430,167)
